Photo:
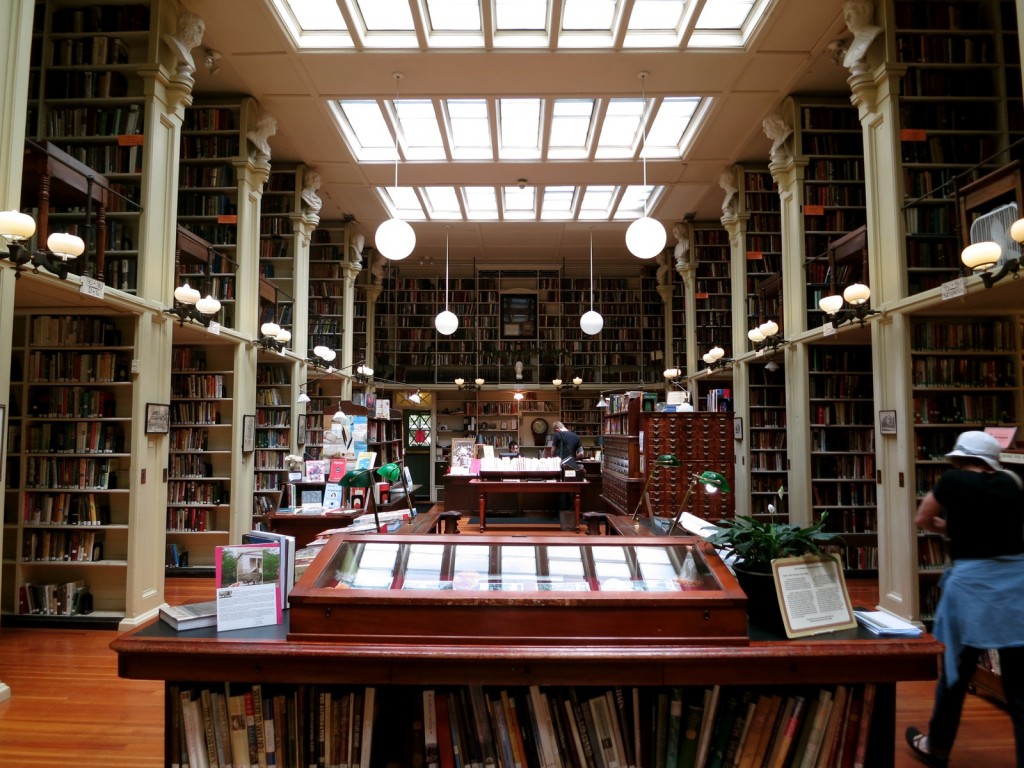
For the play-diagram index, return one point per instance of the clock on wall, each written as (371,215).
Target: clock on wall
(539,427)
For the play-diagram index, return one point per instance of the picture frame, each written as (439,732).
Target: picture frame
(462,453)
(737,427)
(518,316)
(887,423)
(158,418)
(248,433)
(301,438)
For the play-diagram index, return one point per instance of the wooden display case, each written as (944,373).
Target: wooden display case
(487,590)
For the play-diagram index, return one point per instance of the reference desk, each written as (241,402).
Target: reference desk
(202,658)
(483,487)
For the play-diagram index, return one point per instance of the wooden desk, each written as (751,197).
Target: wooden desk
(305,527)
(483,487)
(198,657)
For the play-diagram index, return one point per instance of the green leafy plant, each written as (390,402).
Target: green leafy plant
(755,543)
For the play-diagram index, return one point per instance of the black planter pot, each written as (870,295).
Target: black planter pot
(763,608)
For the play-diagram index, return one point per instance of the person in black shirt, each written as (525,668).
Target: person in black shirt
(979,506)
(565,444)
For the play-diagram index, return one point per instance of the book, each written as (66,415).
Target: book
(867,710)
(675,724)
(190,616)
(606,738)
(250,585)
(848,743)
(755,732)
(482,725)
(660,730)
(690,734)
(713,694)
(830,738)
(789,724)
(748,716)
(286,574)
(316,470)
(206,702)
(519,758)
(365,459)
(809,758)
(502,736)
(336,469)
(239,735)
(195,736)
(445,744)
(431,751)
(366,741)
(730,708)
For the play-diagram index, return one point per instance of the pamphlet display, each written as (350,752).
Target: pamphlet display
(812,594)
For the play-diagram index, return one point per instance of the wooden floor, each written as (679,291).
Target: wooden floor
(67,701)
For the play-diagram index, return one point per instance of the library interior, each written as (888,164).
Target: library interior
(406,340)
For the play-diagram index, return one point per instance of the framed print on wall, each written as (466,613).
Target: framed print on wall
(887,422)
(462,453)
(158,418)
(737,427)
(518,316)
(248,433)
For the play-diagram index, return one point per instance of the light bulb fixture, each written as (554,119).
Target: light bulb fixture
(477,383)
(766,336)
(446,322)
(567,386)
(273,337)
(518,396)
(17,227)
(415,398)
(395,239)
(591,322)
(646,237)
(715,358)
(189,306)
(671,374)
(322,357)
(712,481)
(601,402)
(303,397)
(363,373)
(980,258)
(857,297)
(771,366)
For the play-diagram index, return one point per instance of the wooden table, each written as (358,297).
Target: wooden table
(483,487)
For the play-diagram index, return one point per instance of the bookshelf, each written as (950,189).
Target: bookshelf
(966,375)
(768,455)
(959,109)
(200,454)
(279,204)
(87,99)
(67,510)
(273,434)
(842,459)
(327,261)
(762,245)
(621,478)
(713,289)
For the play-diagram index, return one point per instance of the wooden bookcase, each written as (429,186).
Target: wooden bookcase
(326,308)
(87,98)
(200,461)
(768,455)
(966,374)
(762,245)
(274,399)
(842,461)
(279,205)
(69,468)
(713,292)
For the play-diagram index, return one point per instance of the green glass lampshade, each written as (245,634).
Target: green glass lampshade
(667,460)
(390,472)
(357,478)
(713,481)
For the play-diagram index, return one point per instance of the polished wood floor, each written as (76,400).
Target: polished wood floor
(69,707)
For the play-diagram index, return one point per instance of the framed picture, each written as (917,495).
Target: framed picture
(302,431)
(248,433)
(158,418)
(462,453)
(737,427)
(519,316)
(887,422)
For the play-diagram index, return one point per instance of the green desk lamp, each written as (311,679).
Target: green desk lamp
(361,478)
(664,460)
(712,481)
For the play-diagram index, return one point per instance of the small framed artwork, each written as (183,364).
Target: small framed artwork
(504,425)
(887,422)
(462,453)
(248,433)
(737,427)
(158,418)
(302,431)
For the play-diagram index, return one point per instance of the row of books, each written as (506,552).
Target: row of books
(68,599)
(521,727)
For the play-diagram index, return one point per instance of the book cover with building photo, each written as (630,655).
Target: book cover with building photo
(250,585)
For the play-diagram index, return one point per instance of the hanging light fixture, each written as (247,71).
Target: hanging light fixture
(646,237)
(591,322)
(446,322)
(17,227)
(395,239)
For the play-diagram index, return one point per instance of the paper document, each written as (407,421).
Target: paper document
(882,623)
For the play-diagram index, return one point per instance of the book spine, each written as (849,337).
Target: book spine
(431,753)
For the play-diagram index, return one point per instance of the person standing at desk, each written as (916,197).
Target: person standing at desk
(979,506)
(565,444)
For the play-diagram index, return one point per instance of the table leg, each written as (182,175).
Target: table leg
(576,505)
(483,510)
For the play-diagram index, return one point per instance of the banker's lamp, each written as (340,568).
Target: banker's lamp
(712,481)
(664,460)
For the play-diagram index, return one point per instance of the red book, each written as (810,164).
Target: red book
(444,731)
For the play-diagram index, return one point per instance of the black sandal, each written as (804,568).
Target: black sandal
(919,743)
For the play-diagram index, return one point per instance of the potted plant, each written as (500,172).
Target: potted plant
(752,544)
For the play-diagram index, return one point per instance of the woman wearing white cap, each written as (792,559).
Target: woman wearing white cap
(979,507)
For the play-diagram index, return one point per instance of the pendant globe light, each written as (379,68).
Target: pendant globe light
(446,322)
(395,239)
(591,323)
(646,237)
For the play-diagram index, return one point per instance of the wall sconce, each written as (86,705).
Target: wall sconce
(415,398)
(981,257)
(469,385)
(766,336)
(713,482)
(17,227)
(567,385)
(322,357)
(363,373)
(857,296)
(715,358)
(188,306)
(274,337)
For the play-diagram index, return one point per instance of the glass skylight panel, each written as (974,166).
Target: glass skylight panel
(589,15)
(597,202)
(620,129)
(665,136)
(470,129)
(656,15)
(443,202)
(481,203)
(418,122)
(402,202)
(317,15)
(632,203)
(313,23)
(521,15)
(519,203)
(385,15)
(454,15)
(519,128)
(557,203)
(570,128)
(368,134)
(724,14)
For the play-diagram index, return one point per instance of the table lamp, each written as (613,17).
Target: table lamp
(712,481)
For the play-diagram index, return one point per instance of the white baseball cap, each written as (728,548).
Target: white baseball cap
(977,445)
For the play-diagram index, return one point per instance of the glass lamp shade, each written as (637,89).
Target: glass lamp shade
(478,381)
(208,306)
(395,239)
(1017,230)
(708,358)
(716,353)
(270,329)
(186,294)
(390,472)
(324,353)
(576,380)
(672,373)
(446,323)
(304,398)
(591,323)
(830,304)
(768,328)
(755,335)
(601,403)
(980,256)
(459,382)
(364,370)
(713,481)
(556,382)
(283,336)
(858,293)
(646,237)
(518,396)
(15,225)
(65,246)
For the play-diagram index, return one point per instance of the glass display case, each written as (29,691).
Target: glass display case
(501,589)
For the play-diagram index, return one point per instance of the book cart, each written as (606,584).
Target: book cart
(587,616)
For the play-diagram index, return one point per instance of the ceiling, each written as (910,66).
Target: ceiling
(787,53)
